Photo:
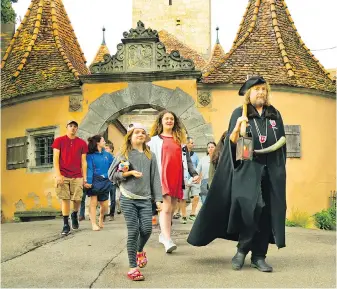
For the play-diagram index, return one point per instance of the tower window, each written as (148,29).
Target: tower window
(170,2)
(178,22)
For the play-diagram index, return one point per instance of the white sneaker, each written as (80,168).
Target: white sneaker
(170,246)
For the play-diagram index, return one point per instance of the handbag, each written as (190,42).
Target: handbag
(100,185)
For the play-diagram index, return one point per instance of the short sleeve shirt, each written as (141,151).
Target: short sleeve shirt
(71,151)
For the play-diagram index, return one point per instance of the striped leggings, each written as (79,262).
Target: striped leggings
(138,217)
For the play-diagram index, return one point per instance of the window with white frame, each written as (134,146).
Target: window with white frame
(39,150)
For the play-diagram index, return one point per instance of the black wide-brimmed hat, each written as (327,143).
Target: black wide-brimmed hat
(254,80)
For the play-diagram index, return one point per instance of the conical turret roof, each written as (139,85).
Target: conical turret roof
(102,50)
(44,53)
(217,54)
(268,44)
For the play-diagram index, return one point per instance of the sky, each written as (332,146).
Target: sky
(314,20)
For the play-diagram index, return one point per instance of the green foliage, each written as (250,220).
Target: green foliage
(323,220)
(298,219)
(290,223)
(332,211)
(7,12)
(326,219)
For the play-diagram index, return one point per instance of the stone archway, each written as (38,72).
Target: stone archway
(110,106)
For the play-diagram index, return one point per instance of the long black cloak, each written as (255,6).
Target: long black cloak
(233,198)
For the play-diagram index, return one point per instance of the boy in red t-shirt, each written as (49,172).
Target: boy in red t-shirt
(70,166)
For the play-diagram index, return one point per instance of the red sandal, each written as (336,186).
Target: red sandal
(135,275)
(141,263)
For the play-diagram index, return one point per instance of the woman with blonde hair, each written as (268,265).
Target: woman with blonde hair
(167,139)
(136,174)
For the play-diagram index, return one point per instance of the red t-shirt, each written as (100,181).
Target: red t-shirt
(71,151)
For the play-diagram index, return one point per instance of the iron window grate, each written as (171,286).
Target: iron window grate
(43,150)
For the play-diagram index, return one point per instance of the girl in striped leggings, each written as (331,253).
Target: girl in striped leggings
(138,184)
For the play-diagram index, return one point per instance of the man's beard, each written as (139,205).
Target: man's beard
(260,101)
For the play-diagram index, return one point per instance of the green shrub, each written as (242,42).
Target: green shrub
(332,211)
(324,220)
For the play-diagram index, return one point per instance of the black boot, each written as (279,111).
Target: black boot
(238,260)
(261,265)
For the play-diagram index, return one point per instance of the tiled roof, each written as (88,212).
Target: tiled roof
(217,54)
(102,50)
(268,44)
(172,43)
(332,73)
(44,53)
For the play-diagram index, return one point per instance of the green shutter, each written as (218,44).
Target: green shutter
(293,135)
(16,153)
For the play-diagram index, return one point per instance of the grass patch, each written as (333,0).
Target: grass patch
(298,219)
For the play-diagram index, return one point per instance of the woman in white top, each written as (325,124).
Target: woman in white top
(203,169)
(168,137)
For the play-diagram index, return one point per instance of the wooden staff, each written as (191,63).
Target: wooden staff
(243,123)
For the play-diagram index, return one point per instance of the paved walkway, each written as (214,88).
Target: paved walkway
(35,255)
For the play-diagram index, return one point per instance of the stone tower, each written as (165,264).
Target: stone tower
(188,20)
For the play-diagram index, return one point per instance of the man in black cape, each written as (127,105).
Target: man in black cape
(247,198)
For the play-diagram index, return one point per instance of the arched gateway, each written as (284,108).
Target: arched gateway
(140,60)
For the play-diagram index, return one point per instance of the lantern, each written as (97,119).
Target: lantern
(244,149)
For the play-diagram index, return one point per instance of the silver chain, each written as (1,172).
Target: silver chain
(258,131)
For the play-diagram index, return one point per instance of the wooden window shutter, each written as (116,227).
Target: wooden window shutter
(16,153)
(293,135)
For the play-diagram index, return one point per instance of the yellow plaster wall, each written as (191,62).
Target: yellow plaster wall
(17,184)
(309,179)
(116,137)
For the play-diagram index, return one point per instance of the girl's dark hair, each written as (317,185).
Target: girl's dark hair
(218,150)
(92,143)
(210,142)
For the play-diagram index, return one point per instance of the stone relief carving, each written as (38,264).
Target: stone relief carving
(171,61)
(140,32)
(75,102)
(140,56)
(141,50)
(204,98)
